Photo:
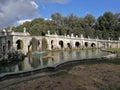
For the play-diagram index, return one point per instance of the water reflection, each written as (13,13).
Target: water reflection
(38,61)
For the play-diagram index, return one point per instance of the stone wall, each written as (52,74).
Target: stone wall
(22,41)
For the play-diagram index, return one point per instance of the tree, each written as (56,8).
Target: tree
(57,17)
(107,21)
(104,27)
(117,16)
(89,20)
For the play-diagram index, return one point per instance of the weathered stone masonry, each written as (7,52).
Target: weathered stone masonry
(11,41)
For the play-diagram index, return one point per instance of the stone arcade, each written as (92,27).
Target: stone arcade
(11,41)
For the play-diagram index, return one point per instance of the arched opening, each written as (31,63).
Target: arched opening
(51,44)
(86,44)
(61,44)
(19,44)
(107,44)
(34,43)
(93,45)
(77,44)
(103,45)
(44,44)
(69,45)
(9,45)
(38,42)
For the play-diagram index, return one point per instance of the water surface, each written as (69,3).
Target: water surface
(40,60)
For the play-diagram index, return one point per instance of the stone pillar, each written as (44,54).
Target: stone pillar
(82,45)
(25,45)
(49,44)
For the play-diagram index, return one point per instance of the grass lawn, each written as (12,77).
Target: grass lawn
(114,49)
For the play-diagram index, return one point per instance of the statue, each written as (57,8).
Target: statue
(72,35)
(81,36)
(24,29)
(4,30)
(48,32)
(10,28)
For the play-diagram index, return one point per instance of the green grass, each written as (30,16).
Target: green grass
(114,49)
(114,61)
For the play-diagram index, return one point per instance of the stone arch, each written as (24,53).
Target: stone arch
(9,44)
(19,44)
(107,44)
(34,43)
(69,45)
(93,45)
(103,45)
(86,44)
(77,44)
(44,44)
(61,43)
(52,44)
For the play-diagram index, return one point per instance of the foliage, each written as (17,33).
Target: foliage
(104,27)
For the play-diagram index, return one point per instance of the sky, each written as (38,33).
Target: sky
(15,12)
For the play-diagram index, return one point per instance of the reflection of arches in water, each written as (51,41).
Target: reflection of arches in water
(45,61)
(86,44)
(53,60)
(87,53)
(93,45)
(48,60)
(29,59)
(78,55)
(19,44)
(61,44)
(21,66)
(35,61)
(61,55)
(70,54)
(77,44)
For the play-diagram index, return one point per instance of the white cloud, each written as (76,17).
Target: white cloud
(47,19)
(23,21)
(14,10)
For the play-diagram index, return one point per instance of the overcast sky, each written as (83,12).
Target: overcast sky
(18,11)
